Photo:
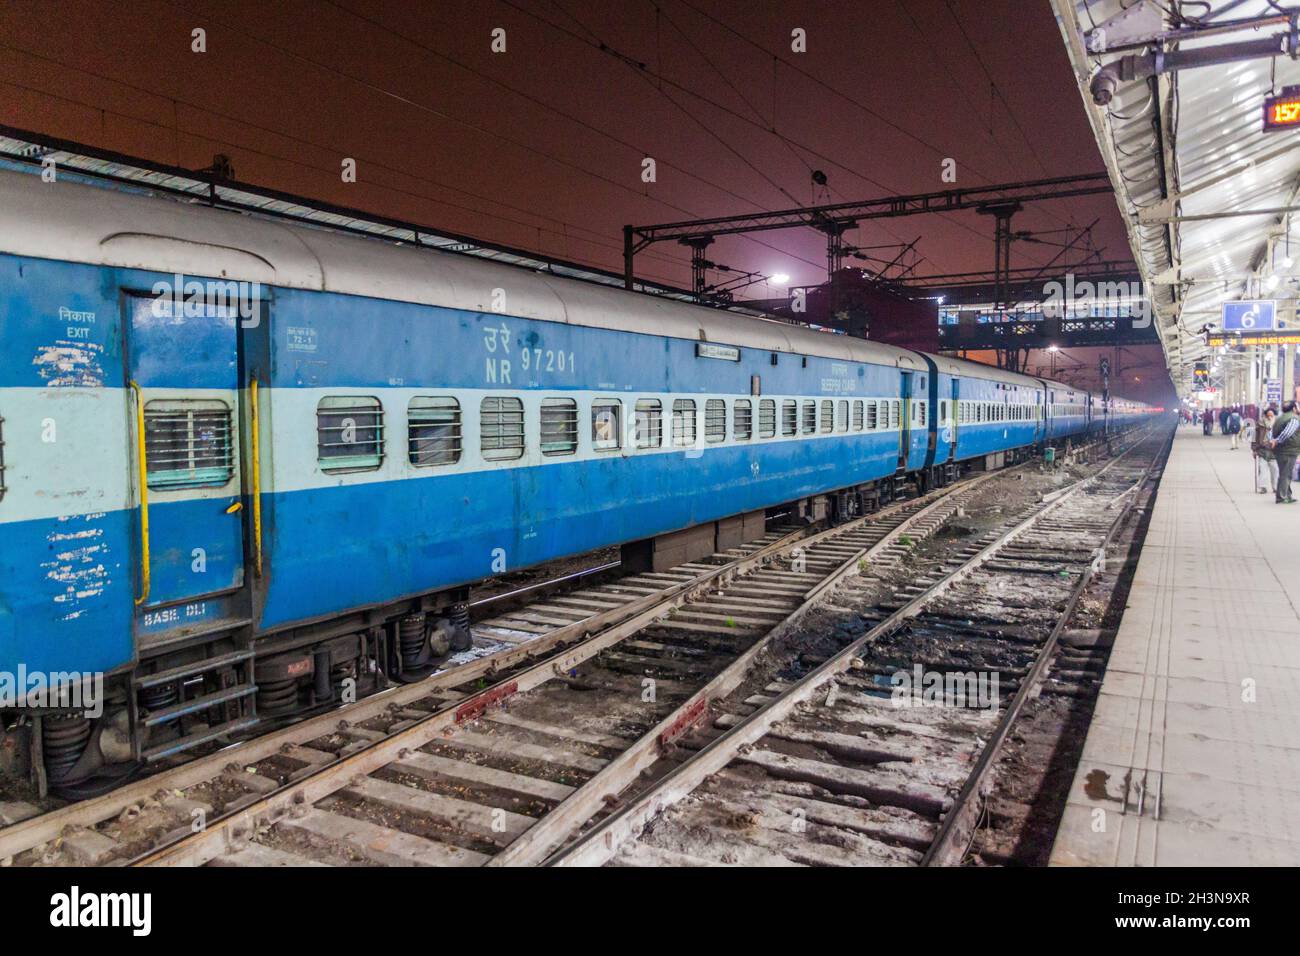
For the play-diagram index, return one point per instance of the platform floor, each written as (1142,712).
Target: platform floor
(1200,705)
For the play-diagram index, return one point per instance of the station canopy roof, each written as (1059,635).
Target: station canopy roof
(1189,158)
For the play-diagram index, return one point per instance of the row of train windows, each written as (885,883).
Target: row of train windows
(350,431)
(188,443)
(973,412)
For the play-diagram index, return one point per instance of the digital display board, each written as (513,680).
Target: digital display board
(1282,112)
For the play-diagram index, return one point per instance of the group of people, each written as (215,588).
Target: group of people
(1277,445)
(1274,442)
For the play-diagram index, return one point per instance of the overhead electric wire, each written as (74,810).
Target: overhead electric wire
(754,109)
(588,126)
(228,143)
(875,114)
(597,44)
(465,123)
(536,101)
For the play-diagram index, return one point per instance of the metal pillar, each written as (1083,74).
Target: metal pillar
(1002,238)
(699,264)
(1008,358)
(629,258)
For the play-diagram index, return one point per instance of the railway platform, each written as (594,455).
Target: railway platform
(1193,753)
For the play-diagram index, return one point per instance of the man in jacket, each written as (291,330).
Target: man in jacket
(1286,446)
(1265,460)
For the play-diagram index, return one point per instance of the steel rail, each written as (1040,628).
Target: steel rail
(21,836)
(953,839)
(196,848)
(603,841)
(533,845)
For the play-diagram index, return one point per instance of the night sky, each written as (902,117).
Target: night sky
(541,146)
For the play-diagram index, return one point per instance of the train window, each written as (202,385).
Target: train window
(715,420)
(559,426)
(649,423)
(683,422)
(873,422)
(349,433)
(606,424)
(766,418)
(743,420)
(857,415)
(895,413)
(828,416)
(809,417)
(433,431)
(187,443)
(943,413)
(842,417)
(501,428)
(789,417)
(920,414)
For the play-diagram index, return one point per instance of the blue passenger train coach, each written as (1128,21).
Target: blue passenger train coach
(245,465)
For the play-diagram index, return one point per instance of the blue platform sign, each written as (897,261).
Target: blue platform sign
(1249,316)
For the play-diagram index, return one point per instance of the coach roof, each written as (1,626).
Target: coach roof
(113,227)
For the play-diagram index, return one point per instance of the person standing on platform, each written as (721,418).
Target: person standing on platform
(1265,459)
(1286,445)
(1207,421)
(1223,420)
(1234,427)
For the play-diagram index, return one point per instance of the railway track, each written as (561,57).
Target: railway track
(695,627)
(851,764)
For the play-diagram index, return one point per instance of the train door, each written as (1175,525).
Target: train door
(182,366)
(956,415)
(905,423)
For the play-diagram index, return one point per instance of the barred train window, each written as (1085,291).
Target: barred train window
(684,422)
(715,420)
(872,421)
(606,424)
(743,423)
(895,413)
(809,417)
(789,417)
(649,423)
(857,415)
(349,433)
(559,426)
(920,414)
(766,418)
(501,428)
(842,423)
(828,416)
(433,431)
(187,443)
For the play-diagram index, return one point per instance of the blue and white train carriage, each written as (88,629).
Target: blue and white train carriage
(245,461)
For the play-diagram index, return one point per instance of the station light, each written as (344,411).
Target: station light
(779,278)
